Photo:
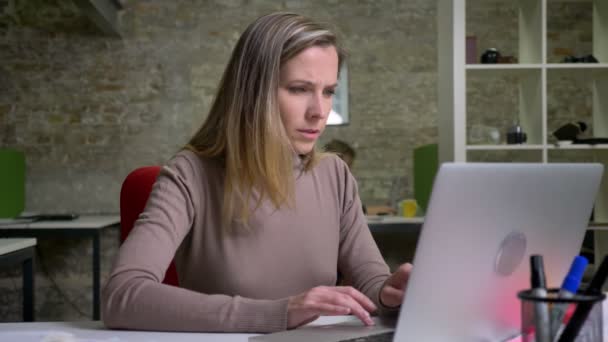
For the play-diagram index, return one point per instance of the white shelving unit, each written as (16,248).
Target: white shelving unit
(532,76)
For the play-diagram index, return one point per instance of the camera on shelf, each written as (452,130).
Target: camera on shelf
(516,135)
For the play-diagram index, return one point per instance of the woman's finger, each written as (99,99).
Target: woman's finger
(400,277)
(342,299)
(329,309)
(362,299)
(392,296)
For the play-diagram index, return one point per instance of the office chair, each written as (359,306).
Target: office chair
(133,197)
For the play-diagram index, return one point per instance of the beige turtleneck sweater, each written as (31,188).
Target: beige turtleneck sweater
(239,282)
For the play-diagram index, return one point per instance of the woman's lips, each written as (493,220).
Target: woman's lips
(310,134)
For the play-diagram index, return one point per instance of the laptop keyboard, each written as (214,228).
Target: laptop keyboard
(382,337)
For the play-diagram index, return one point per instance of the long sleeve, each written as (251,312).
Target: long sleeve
(359,257)
(135,298)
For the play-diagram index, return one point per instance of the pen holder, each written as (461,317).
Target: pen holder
(543,318)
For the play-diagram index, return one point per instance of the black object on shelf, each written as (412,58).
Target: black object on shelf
(490,56)
(570,131)
(582,59)
(590,141)
(516,135)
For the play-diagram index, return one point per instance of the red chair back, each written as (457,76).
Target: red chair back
(134,194)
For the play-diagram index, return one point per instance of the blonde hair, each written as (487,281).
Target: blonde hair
(244,129)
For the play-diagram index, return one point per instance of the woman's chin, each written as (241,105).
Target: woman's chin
(303,148)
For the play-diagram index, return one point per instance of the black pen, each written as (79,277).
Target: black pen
(539,289)
(582,309)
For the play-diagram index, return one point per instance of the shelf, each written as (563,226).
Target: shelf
(516,147)
(493,70)
(577,66)
(591,71)
(502,66)
(548,1)
(503,96)
(598,226)
(569,1)
(549,66)
(578,147)
(475,98)
(540,93)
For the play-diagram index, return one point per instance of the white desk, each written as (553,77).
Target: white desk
(394,224)
(94,331)
(8,246)
(87,226)
(21,251)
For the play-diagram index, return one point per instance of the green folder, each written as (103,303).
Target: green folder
(426,163)
(12,183)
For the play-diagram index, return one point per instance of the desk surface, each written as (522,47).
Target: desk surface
(82,222)
(11,245)
(103,221)
(385,219)
(94,330)
(394,224)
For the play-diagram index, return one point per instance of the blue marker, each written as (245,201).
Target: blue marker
(583,309)
(568,290)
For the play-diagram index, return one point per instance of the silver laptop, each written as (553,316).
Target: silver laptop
(483,222)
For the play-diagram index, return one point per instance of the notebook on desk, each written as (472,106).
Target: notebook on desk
(483,222)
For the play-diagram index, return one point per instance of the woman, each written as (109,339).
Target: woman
(256,221)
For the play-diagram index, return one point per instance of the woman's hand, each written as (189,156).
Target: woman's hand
(328,301)
(393,291)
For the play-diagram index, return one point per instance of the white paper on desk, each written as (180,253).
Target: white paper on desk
(50,336)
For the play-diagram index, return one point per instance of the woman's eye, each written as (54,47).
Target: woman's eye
(297,90)
(330,92)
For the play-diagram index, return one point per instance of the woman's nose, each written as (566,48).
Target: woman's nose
(318,107)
